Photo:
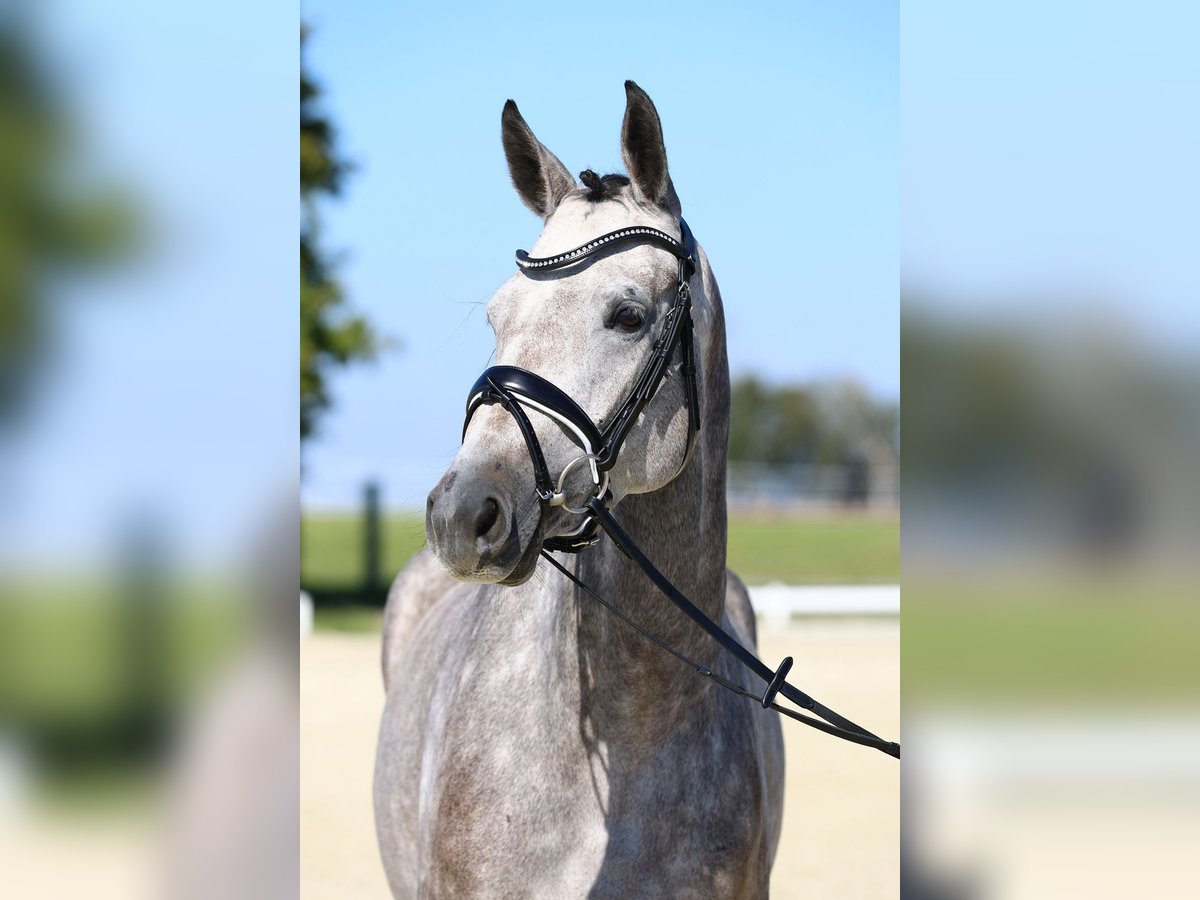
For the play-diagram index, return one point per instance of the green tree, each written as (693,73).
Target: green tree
(827,422)
(56,226)
(330,335)
(749,403)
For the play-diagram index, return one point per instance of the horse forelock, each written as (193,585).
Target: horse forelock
(597,188)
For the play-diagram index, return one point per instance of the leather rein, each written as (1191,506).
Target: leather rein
(516,389)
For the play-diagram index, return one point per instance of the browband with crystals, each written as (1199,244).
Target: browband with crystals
(638,234)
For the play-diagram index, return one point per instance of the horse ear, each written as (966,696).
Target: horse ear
(540,178)
(643,150)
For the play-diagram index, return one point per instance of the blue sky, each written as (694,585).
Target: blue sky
(1040,147)
(782,132)
(1049,159)
(171,394)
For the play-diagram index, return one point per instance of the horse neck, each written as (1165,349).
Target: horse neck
(630,685)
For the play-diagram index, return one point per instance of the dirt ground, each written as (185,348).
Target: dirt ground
(841,826)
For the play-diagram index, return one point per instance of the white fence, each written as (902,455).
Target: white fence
(777,603)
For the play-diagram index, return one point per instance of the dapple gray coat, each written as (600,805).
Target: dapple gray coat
(532,745)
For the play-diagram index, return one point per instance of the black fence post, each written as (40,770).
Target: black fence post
(143,607)
(371,532)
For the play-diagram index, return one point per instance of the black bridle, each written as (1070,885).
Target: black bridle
(515,388)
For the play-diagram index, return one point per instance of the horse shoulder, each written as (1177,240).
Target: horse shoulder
(418,710)
(419,587)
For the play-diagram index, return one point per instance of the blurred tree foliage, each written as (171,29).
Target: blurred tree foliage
(330,335)
(56,222)
(825,423)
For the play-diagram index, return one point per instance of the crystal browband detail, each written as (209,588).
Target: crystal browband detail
(525,261)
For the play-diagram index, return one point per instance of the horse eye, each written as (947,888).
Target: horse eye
(629,317)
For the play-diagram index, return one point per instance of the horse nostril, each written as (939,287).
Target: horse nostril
(487,517)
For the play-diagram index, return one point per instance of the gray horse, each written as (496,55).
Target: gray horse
(532,745)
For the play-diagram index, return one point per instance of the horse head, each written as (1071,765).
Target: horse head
(588,330)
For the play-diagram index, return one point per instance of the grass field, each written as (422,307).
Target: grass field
(331,547)
(94,675)
(1052,640)
(848,549)
(819,549)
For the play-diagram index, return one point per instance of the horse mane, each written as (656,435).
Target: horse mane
(602,187)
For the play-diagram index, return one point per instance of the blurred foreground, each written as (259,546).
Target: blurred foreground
(1050,348)
(148,459)
(1051,610)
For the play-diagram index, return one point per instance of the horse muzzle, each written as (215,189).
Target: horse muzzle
(481,529)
